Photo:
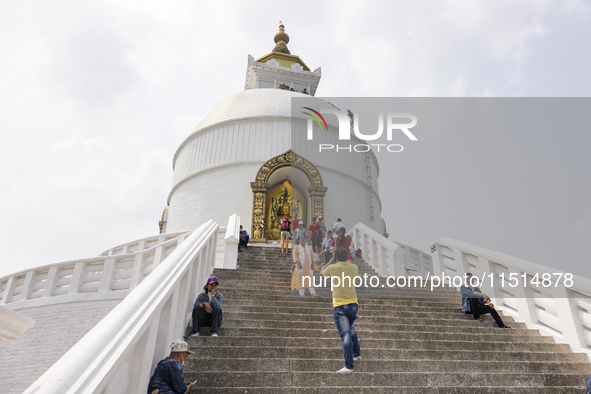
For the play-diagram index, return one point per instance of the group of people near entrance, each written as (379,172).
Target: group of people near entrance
(310,246)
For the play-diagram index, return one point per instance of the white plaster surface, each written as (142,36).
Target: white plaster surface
(256,103)
(57,328)
(214,166)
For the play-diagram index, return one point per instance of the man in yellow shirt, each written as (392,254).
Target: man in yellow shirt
(344,303)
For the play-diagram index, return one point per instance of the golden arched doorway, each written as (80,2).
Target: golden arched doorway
(260,190)
(283,200)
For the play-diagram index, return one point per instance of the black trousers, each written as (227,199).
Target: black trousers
(316,241)
(243,241)
(201,318)
(478,309)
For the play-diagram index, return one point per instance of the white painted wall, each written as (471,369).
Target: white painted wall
(57,328)
(214,166)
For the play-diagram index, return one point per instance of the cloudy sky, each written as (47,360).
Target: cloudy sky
(96,97)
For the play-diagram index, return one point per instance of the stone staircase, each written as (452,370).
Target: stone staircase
(273,341)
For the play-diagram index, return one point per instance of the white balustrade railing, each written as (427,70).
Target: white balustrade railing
(80,279)
(228,237)
(143,243)
(119,354)
(389,258)
(556,307)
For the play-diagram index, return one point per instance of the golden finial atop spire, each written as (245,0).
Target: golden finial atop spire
(281,39)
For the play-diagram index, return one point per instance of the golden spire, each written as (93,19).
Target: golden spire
(281,39)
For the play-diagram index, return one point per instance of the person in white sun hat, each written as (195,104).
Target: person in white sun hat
(168,375)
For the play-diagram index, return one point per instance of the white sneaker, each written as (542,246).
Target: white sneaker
(214,334)
(345,370)
(195,335)
(357,358)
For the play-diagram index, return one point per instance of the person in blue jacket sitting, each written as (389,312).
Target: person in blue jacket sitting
(207,310)
(474,301)
(168,375)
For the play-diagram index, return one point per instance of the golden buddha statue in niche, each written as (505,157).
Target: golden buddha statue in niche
(282,201)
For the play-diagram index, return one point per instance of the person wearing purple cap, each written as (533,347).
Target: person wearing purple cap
(207,310)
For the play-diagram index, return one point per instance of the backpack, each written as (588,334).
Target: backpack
(285,225)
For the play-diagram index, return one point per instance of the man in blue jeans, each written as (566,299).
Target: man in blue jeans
(345,305)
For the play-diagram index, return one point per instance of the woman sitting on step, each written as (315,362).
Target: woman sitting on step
(207,310)
(303,275)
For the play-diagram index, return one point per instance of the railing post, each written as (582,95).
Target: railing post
(398,257)
(437,257)
(107,276)
(26,292)
(421,262)
(568,315)
(142,245)
(461,264)
(231,242)
(136,272)
(372,254)
(488,267)
(76,278)
(50,282)
(158,256)
(9,290)
(525,304)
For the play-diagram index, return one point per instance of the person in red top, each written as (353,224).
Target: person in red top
(342,241)
(295,222)
(314,230)
(285,234)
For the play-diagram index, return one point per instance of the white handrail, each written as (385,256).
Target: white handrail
(94,275)
(120,352)
(554,307)
(387,257)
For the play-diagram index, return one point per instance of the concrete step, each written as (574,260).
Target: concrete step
(316,308)
(289,296)
(498,335)
(396,390)
(318,315)
(425,320)
(244,288)
(335,342)
(428,366)
(487,327)
(246,320)
(380,379)
(385,354)
(448,304)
